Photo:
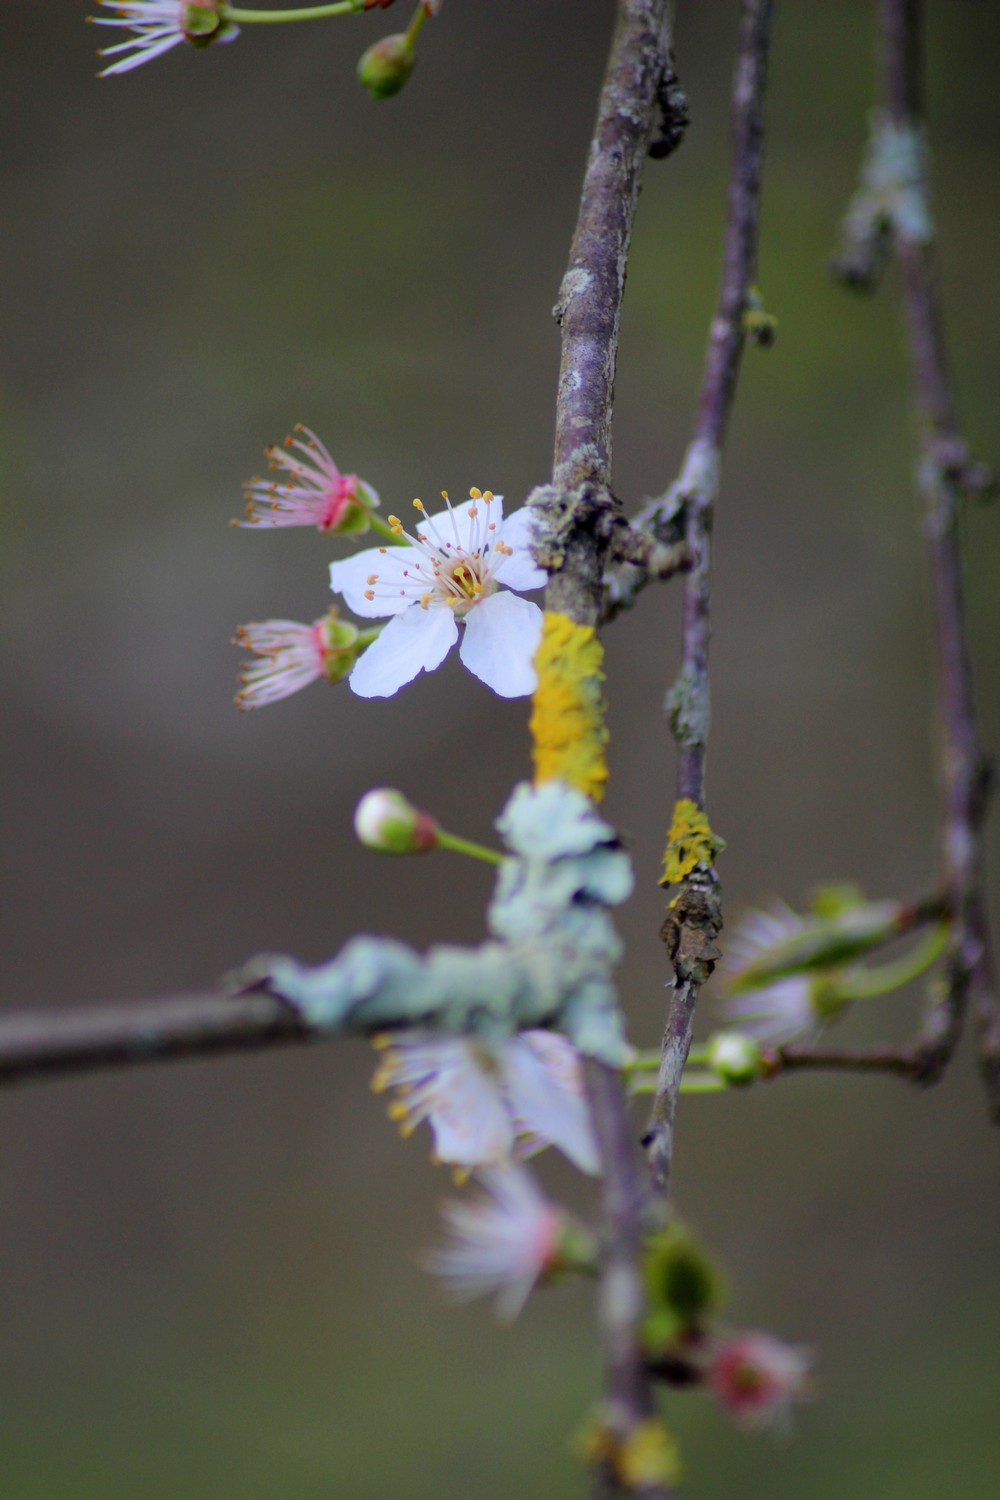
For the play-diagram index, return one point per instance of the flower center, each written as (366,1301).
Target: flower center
(449,571)
(342,492)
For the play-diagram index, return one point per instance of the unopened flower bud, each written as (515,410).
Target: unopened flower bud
(734,1058)
(386,66)
(386,821)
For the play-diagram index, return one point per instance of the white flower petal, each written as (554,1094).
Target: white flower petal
(501,637)
(520,571)
(350,577)
(417,641)
(499,1244)
(545,1081)
(445,1081)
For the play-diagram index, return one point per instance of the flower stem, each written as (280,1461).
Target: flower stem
(305,13)
(649,1061)
(691,1083)
(466,846)
(417,20)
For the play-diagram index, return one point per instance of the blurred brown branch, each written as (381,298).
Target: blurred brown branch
(894,206)
(40,1044)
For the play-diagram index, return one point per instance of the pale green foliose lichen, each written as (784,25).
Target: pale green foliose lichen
(549,964)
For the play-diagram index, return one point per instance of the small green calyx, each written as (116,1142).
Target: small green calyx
(201,23)
(683,1288)
(575,1254)
(385,67)
(340,647)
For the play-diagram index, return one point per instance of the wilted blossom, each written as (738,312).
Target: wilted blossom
(489,1102)
(501,1244)
(311,490)
(756,1377)
(780,1010)
(457,568)
(289,656)
(159,25)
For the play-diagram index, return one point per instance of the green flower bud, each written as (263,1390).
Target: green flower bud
(386,66)
(734,1057)
(384,820)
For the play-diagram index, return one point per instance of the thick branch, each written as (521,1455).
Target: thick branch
(578,517)
(696,918)
(945,474)
(45,1044)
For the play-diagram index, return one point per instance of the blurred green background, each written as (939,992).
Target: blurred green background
(209,1270)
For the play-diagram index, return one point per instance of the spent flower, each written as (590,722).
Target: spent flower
(781,1009)
(159,25)
(289,656)
(503,1244)
(756,1377)
(310,490)
(455,568)
(489,1102)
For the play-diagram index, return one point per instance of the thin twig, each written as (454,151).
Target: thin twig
(906,1062)
(695,919)
(946,474)
(581,509)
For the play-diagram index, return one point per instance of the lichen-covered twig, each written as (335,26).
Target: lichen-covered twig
(695,918)
(899,212)
(577,518)
(40,1044)
(549,961)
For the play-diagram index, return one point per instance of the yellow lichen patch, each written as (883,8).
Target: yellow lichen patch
(690,842)
(648,1456)
(567,715)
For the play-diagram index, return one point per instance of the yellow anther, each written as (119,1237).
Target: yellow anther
(487,496)
(475,494)
(444,494)
(425,601)
(419,505)
(395,521)
(372,578)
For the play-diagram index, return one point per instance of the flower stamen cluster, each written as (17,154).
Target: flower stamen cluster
(311,490)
